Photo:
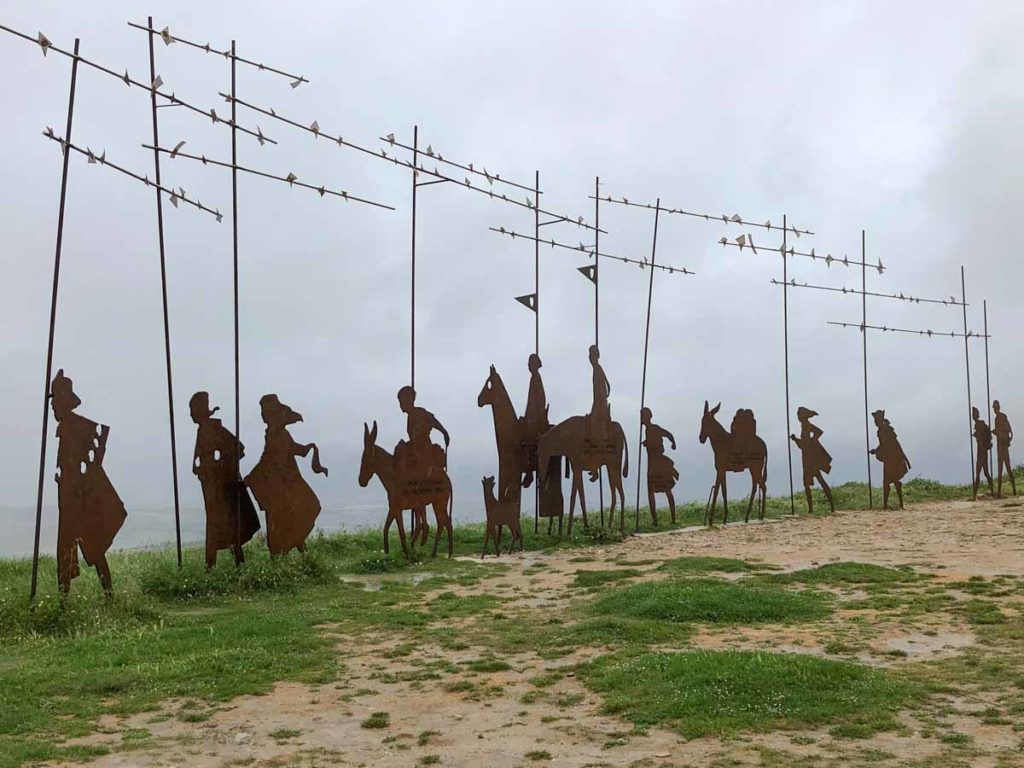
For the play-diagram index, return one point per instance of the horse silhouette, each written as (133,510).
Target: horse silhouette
(403,494)
(734,453)
(572,439)
(509,434)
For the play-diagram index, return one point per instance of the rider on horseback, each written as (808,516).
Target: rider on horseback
(422,459)
(599,421)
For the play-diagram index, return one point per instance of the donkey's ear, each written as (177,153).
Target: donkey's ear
(492,368)
(366,430)
(716,409)
(705,406)
(373,432)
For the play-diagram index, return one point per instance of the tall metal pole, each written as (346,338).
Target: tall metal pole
(864,337)
(988,381)
(234,249)
(597,304)
(643,379)
(785,327)
(412,301)
(53,321)
(163,290)
(536,322)
(967,363)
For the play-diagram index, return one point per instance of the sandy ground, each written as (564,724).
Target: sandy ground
(565,727)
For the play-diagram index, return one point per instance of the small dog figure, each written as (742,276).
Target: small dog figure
(499,514)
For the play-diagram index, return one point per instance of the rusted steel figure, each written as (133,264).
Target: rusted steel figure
(589,443)
(421,457)
(509,433)
(983,438)
(499,514)
(736,450)
(895,463)
(535,418)
(90,511)
(215,463)
(1004,436)
(286,498)
(408,486)
(661,471)
(816,460)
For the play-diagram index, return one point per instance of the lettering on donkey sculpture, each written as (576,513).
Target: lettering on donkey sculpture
(661,470)
(499,514)
(983,438)
(290,504)
(414,477)
(589,443)
(1004,436)
(90,513)
(895,463)
(215,464)
(816,460)
(736,450)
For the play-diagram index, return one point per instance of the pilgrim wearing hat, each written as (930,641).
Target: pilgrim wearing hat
(816,460)
(1004,436)
(535,417)
(895,463)
(286,498)
(90,511)
(661,470)
(215,463)
(983,437)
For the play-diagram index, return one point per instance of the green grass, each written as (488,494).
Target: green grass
(210,636)
(701,693)
(377,720)
(835,574)
(709,601)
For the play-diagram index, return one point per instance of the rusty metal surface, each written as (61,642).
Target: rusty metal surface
(662,474)
(415,476)
(1003,432)
(215,463)
(500,513)
(90,511)
(737,449)
(815,459)
(895,463)
(982,435)
(282,493)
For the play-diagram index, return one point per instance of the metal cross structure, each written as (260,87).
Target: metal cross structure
(966,335)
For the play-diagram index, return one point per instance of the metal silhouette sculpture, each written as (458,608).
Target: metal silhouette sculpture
(983,439)
(895,463)
(661,470)
(535,417)
(290,504)
(1004,436)
(509,434)
(737,450)
(90,511)
(589,443)
(231,518)
(499,514)
(816,460)
(406,488)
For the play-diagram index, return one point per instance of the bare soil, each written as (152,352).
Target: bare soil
(562,725)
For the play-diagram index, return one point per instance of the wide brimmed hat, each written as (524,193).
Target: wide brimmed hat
(879,413)
(201,399)
(805,413)
(277,413)
(63,393)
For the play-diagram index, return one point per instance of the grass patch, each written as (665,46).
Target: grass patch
(708,601)
(594,579)
(836,574)
(702,693)
(699,565)
(376,720)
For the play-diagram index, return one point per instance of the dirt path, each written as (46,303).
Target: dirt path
(505,720)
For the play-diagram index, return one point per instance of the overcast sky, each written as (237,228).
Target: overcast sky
(900,119)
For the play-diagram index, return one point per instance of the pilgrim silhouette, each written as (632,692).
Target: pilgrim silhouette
(895,463)
(89,509)
(983,439)
(1004,436)
(661,471)
(816,460)
(215,464)
(290,504)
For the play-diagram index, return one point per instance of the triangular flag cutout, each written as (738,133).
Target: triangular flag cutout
(589,272)
(529,301)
